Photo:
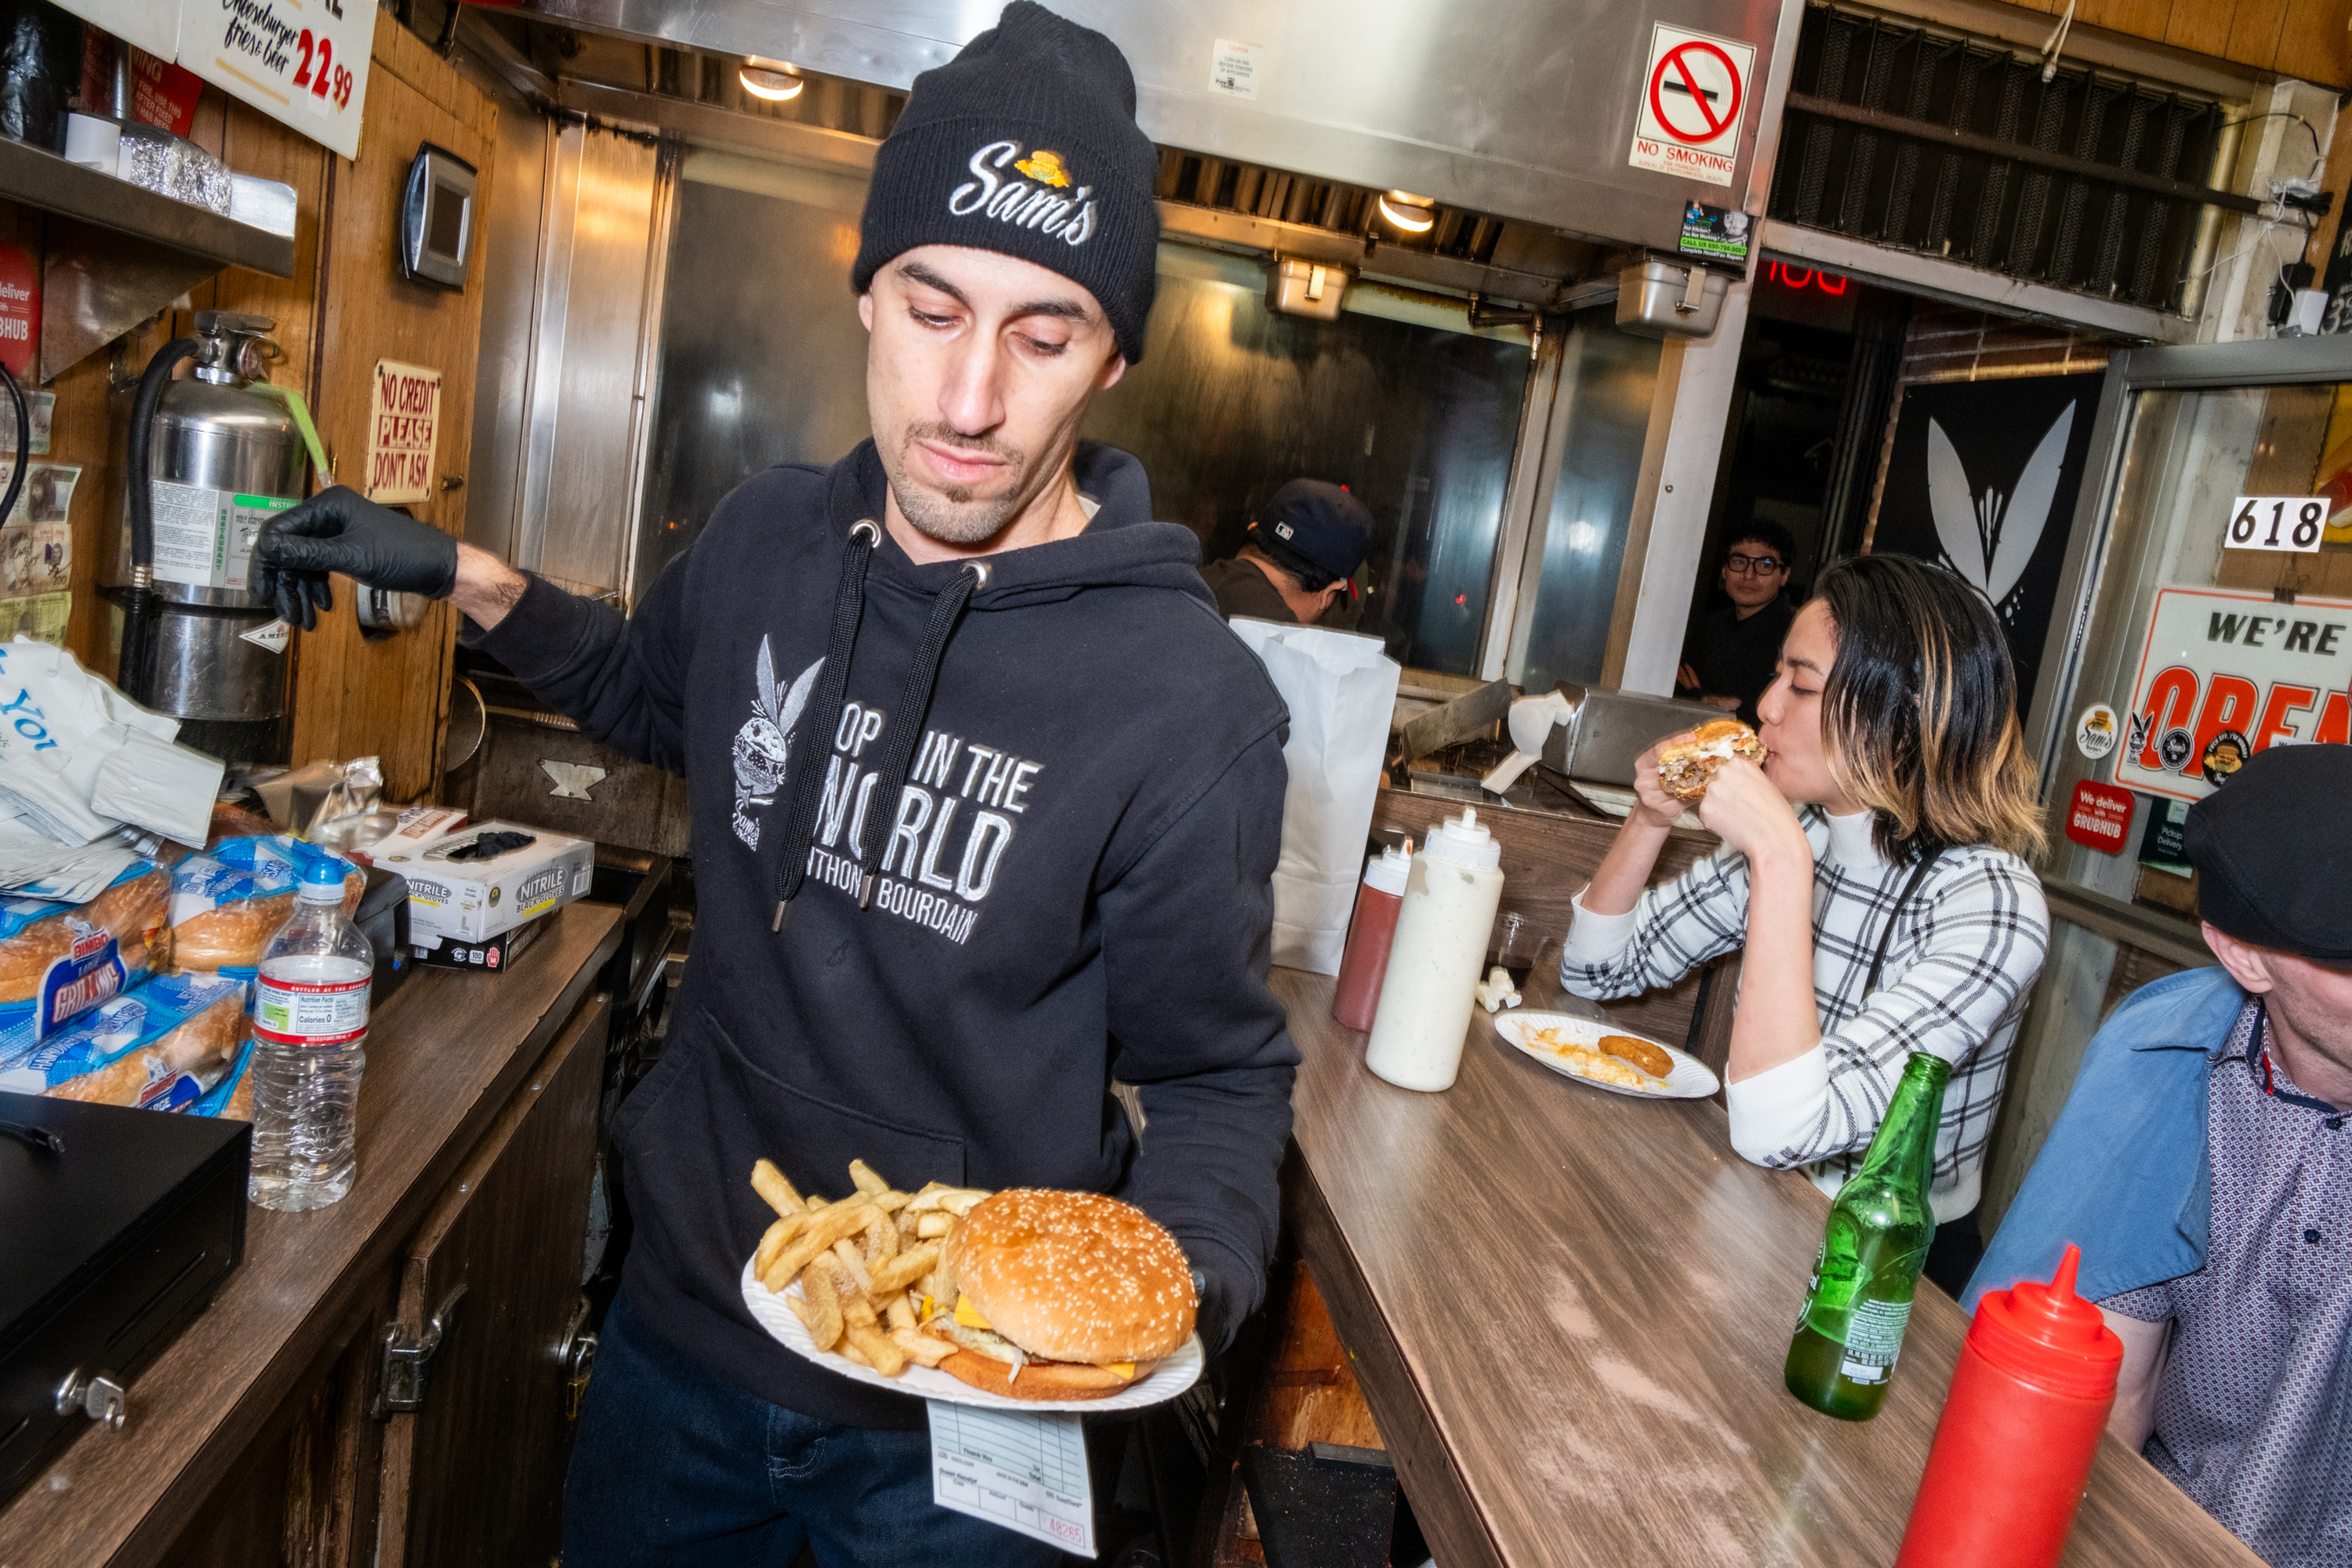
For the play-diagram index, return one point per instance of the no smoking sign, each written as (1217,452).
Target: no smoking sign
(1692,96)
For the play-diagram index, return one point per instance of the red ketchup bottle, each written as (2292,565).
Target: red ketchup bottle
(1365,962)
(2014,1445)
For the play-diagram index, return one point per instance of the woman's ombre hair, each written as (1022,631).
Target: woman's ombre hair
(1919,712)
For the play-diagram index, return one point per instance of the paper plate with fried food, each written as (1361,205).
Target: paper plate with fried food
(1022,1300)
(1595,1051)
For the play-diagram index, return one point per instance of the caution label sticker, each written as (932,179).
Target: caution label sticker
(1692,96)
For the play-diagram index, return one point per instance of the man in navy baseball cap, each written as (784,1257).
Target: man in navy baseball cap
(1305,546)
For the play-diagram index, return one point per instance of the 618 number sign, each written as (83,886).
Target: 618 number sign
(2276,522)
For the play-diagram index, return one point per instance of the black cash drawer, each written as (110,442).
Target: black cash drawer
(106,1251)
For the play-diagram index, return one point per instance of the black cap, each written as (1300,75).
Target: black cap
(2271,847)
(1321,522)
(1025,143)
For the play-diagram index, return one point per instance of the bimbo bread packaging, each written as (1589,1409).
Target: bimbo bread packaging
(59,961)
(490,878)
(227,902)
(167,1046)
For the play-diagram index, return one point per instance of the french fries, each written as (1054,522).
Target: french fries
(926,1349)
(771,1185)
(897,1273)
(817,1236)
(871,1267)
(822,1298)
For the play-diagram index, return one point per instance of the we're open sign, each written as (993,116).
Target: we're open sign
(2225,674)
(403,416)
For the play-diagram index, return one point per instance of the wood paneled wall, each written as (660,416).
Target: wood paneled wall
(340,311)
(353,697)
(2303,38)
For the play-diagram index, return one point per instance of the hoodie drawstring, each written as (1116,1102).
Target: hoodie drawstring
(914,705)
(823,715)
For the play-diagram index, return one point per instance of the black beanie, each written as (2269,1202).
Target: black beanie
(2270,847)
(1026,144)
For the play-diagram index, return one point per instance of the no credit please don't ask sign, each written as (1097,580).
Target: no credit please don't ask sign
(2224,674)
(403,418)
(1692,91)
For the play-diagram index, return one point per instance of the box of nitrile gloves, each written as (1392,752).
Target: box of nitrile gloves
(490,878)
(499,953)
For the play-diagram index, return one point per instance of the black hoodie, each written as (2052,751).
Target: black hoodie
(1076,888)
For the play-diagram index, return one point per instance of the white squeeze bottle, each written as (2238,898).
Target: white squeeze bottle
(309,1028)
(1450,898)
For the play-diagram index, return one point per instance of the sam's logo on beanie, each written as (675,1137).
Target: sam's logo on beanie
(1032,202)
(1046,168)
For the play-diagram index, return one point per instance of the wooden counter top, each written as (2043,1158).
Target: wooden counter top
(1570,1309)
(445,1055)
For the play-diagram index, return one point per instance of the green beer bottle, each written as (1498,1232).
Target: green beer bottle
(1880,1225)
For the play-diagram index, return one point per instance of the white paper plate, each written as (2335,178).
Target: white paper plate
(1690,1079)
(1618,801)
(1168,1379)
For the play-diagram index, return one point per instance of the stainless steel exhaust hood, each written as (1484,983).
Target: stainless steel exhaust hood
(1518,108)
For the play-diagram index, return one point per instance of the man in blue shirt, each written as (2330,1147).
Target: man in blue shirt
(2204,1164)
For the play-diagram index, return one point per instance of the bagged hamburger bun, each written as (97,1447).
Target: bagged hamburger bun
(1685,769)
(1089,1290)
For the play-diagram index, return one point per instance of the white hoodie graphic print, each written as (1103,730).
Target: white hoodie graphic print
(762,746)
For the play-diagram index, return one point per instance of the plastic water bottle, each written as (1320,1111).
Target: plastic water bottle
(309,1028)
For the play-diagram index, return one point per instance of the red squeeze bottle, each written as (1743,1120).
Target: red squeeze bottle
(2020,1427)
(1364,963)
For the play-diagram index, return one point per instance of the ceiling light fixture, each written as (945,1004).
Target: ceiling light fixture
(1409,213)
(775,80)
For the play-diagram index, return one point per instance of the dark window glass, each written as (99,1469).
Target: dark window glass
(762,356)
(1231,400)
(766,363)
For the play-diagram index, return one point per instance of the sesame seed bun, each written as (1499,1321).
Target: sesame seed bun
(1073,1277)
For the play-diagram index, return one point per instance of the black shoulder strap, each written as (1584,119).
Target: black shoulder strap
(1886,937)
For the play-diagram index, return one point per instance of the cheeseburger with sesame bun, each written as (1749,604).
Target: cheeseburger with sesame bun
(1063,1296)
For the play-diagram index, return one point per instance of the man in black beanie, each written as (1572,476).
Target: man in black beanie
(987,801)
(2203,1163)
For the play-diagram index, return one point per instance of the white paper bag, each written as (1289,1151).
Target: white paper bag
(1341,691)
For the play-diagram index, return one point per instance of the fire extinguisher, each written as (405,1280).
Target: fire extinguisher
(212,459)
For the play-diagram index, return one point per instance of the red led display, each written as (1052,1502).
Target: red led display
(1790,276)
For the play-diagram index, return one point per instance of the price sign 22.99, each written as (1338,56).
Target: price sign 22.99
(303,62)
(2276,522)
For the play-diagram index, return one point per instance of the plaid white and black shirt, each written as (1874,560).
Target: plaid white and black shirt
(1962,962)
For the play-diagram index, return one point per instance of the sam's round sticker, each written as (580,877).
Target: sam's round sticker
(2095,732)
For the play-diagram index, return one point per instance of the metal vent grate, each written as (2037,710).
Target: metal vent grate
(1226,185)
(1951,147)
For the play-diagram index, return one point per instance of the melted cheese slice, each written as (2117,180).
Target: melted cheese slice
(969,1316)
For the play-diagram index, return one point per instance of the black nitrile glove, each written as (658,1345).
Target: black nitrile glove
(341,531)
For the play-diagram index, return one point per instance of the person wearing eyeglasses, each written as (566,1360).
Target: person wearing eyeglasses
(1728,660)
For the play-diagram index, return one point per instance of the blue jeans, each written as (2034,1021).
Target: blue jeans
(675,1465)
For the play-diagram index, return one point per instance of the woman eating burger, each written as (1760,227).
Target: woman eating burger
(1873,868)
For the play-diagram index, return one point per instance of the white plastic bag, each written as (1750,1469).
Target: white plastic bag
(1341,691)
(60,728)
